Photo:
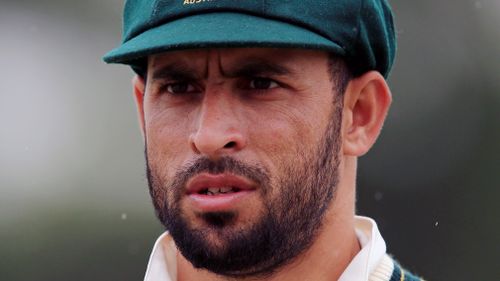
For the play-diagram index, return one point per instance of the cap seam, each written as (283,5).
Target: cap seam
(153,15)
(153,11)
(358,25)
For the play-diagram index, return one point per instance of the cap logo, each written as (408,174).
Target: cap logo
(191,2)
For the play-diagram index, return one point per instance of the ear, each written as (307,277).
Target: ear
(139,88)
(366,103)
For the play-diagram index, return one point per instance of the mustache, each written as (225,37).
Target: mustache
(226,164)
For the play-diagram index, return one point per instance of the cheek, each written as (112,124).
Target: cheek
(167,140)
(285,129)
(282,139)
(289,137)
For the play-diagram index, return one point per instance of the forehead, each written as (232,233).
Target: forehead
(293,58)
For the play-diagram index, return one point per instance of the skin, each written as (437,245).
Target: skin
(223,114)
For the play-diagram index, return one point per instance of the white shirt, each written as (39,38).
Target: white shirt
(162,264)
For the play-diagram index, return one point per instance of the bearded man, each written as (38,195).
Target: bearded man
(253,115)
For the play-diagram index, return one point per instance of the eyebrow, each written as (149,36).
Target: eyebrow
(175,71)
(249,68)
(257,67)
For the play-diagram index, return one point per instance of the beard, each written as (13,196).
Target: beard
(294,206)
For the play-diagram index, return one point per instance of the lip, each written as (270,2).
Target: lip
(203,181)
(222,201)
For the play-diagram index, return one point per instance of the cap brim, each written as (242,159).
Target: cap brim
(219,30)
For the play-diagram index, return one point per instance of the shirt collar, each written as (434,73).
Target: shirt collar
(372,250)
(162,262)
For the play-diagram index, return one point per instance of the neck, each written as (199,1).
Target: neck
(329,255)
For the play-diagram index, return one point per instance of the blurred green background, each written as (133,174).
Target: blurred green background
(74,203)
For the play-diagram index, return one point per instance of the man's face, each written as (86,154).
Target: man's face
(242,149)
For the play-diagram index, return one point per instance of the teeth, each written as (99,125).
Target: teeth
(218,190)
(213,191)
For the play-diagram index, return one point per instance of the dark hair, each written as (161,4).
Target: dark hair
(340,73)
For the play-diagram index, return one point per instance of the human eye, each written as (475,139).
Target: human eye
(262,83)
(179,88)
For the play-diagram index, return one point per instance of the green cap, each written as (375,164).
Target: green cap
(361,31)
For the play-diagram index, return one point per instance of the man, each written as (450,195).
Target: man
(253,115)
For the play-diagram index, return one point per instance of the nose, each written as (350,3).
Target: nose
(219,131)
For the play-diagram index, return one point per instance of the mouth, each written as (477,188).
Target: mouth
(213,191)
(218,192)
